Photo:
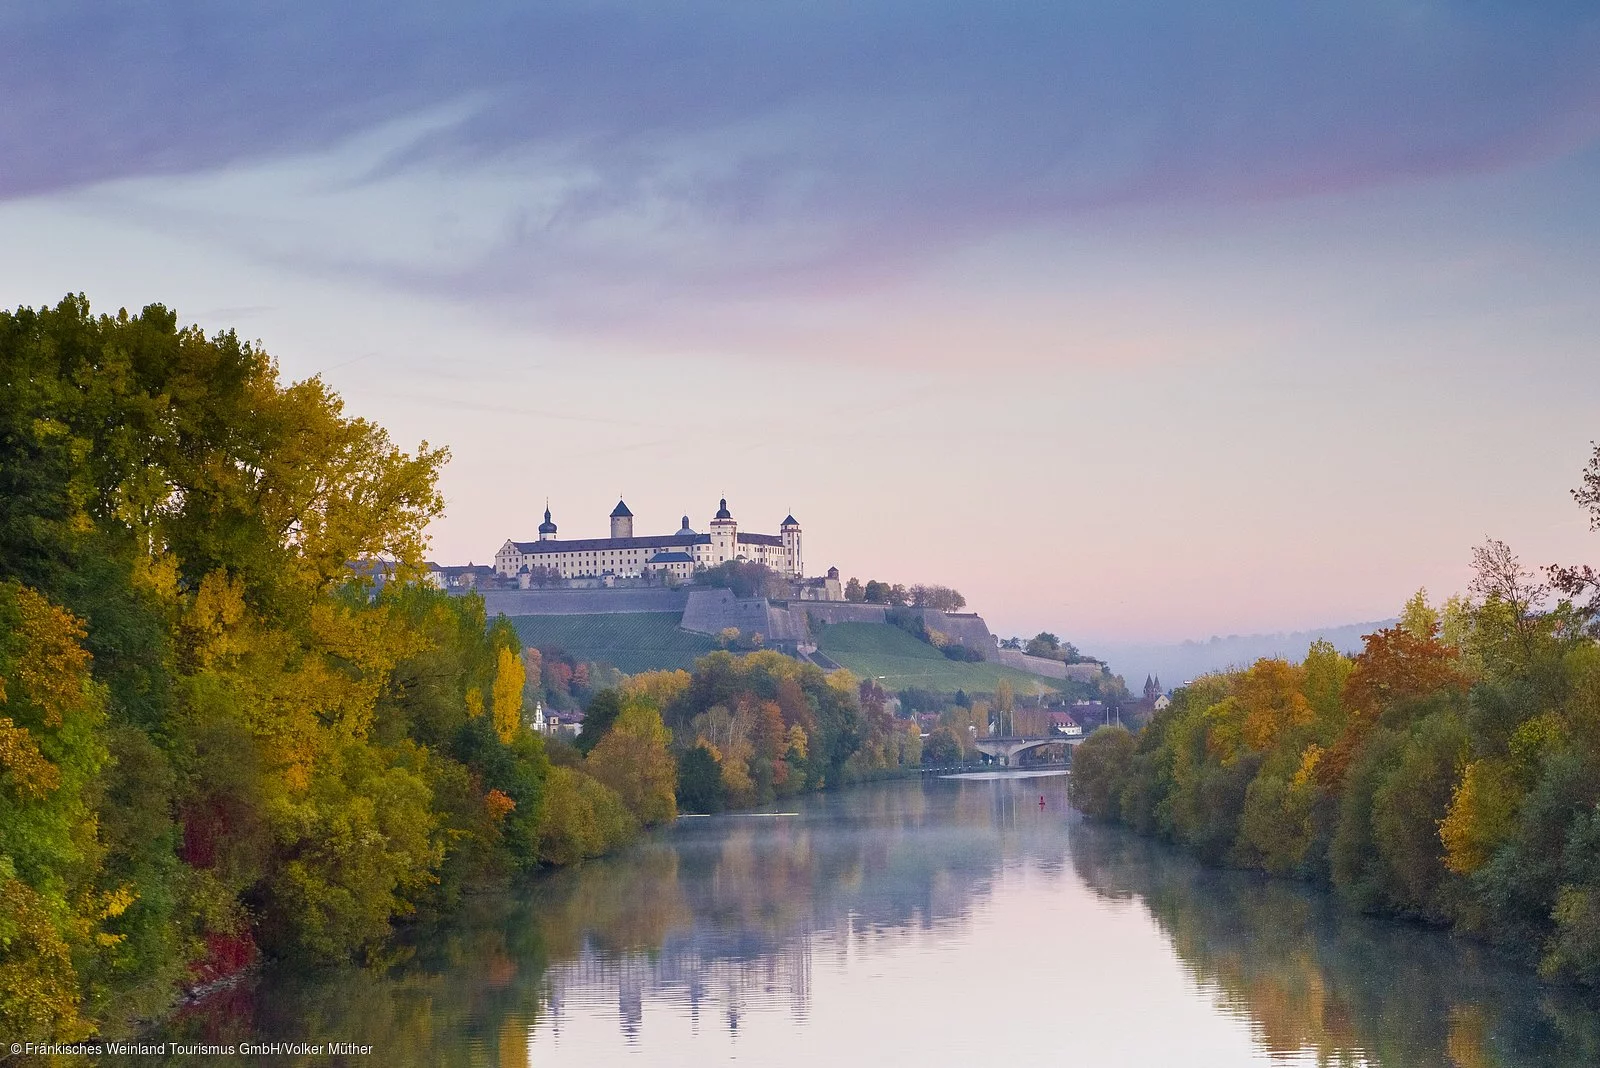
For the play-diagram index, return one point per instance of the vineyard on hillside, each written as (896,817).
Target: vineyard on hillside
(629,641)
(899,660)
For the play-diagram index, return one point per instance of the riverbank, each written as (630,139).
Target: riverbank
(1445,774)
(727,939)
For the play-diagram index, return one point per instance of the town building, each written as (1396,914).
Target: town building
(458,576)
(826,588)
(625,555)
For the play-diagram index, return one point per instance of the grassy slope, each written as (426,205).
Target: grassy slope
(872,649)
(629,641)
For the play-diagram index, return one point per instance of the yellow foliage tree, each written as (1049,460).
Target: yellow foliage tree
(1481,816)
(634,760)
(1270,698)
(506,702)
(657,689)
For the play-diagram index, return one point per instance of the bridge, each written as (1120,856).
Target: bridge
(1004,750)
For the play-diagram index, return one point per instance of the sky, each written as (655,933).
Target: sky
(1134,321)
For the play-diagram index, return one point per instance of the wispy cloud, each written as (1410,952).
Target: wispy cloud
(590,157)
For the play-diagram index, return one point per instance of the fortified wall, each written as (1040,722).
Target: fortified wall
(582,602)
(968,628)
(1040,665)
(712,611)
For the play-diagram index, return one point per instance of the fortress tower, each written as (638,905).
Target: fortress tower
(790,532)
(547,529)
(724,534)
(621,521)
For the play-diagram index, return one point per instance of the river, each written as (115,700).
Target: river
(947,922)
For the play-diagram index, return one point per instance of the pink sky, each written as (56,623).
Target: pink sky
(1206,340)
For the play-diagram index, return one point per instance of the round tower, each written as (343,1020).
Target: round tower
(790,531)
(724,535)
(621,521)
(547,529)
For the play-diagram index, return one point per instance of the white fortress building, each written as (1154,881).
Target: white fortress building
(623,555)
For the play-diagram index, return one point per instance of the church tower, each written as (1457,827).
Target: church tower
(621,521)
(547,529)
(792,566)
(724,535)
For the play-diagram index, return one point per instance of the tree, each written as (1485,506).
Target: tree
(1005,701)
(1418,618)
(542,575)
(942,748)
(1580,584)
(744,579)
(854,591)
(938,598)
(507,695)
(50,854)
(598,718)
(633,760)
(1043,644)
(1098,767)
(700,787)
(1498,576)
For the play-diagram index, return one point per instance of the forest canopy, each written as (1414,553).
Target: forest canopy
(217,742)
(1449,771)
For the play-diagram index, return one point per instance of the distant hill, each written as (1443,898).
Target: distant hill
(1179,662)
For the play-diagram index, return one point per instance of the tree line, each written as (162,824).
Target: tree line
(216,742)
(1449,771)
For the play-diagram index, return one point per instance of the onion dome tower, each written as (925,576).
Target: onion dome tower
(724,535)
(547,529)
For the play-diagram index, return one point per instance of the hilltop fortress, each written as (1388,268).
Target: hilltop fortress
(626,556)
(632,575)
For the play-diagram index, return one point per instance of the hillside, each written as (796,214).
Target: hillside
(1178,662)
(629,641)
(873,649)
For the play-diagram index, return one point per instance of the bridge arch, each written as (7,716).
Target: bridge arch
(1005,750)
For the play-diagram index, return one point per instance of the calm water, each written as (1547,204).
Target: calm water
(951,922)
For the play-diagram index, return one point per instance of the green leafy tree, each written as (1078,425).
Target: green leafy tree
(700,787)
(598,718)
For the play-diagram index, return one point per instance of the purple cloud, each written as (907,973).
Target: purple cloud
(753,148)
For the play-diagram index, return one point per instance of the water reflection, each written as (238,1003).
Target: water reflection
(1310,977)
(935,923)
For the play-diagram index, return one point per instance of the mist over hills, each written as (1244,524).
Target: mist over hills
(1177,663)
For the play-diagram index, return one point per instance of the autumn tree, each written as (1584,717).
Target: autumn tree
(633,759)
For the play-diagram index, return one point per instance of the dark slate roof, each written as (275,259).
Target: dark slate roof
(722,510)
(547,527)
(790,521)
(584,545)
(453,570)
(759,539)
(671,558)
(621,511)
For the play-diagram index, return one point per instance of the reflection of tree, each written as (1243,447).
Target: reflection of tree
(744,898)
(720,914)
(1312,976)
(474,983)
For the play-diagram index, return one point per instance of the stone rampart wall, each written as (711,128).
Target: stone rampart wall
(1039,665)
(582,602)
(1034,665)
(841,611)
(965,627)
